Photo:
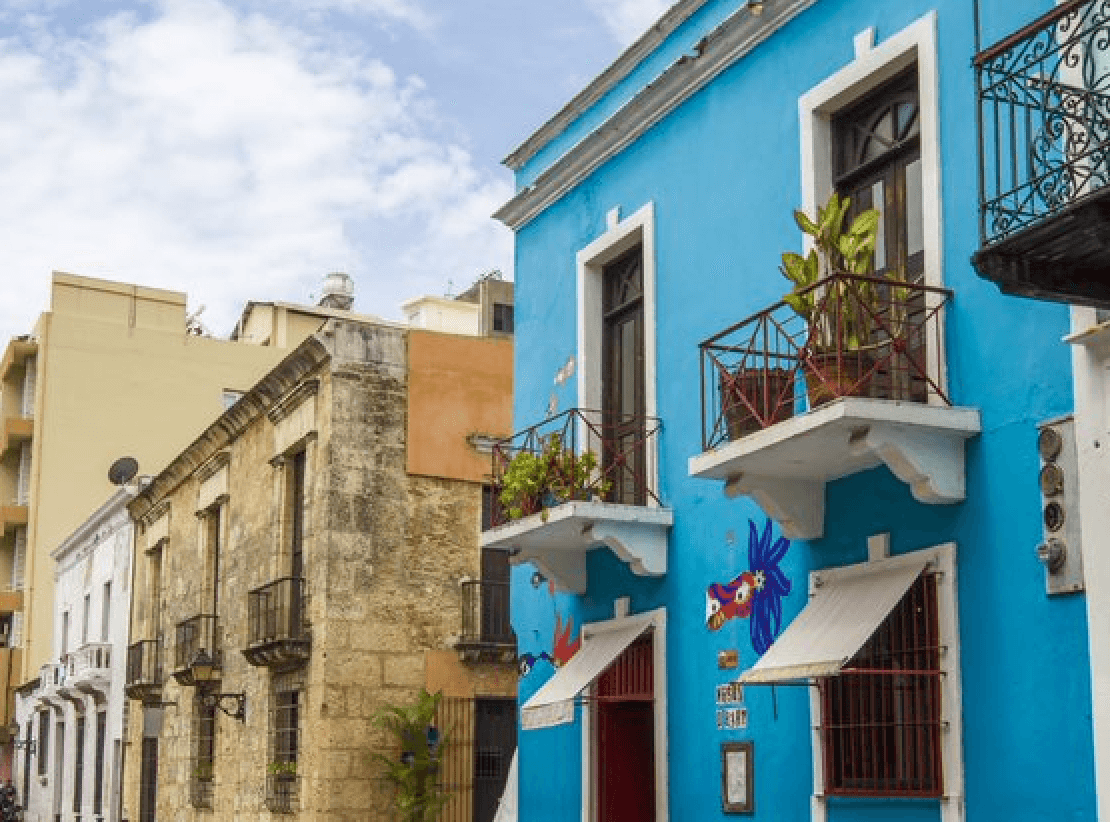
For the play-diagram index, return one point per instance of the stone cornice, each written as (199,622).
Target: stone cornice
(294,398)
(300,364)
(601,85)
(155,513)
(218,460)
(720,49)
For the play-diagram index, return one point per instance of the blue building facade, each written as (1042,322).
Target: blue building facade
(798,577)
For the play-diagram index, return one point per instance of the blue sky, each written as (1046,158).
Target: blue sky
(240,149)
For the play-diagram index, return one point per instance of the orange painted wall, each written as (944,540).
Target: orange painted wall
(458,386)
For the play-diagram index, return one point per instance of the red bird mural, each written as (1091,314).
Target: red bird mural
(564,648)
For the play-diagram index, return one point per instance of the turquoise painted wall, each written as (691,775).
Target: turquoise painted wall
(723,173)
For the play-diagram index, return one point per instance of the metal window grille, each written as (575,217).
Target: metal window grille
(282,779)
(485,612)
(98,767)
(275,611)
(193,635)
(880,718)
(148,780)
(204,753)
(479,737)
(79,764)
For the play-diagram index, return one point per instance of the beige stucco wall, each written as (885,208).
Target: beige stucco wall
(384,552)
(117,375)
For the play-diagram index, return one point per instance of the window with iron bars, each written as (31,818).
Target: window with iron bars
(204,753)
(881,717)
(286,700)
(79,764)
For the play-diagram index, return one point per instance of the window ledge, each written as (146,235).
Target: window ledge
(558,539)
(785,467)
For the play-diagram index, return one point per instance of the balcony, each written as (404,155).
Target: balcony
(16,430)
(16,354)
(787,407)
(12,516)
(89,668)
(196,634)
(52,682)
(487,634)
(582,479)
(277,633)
(144,670)
(1044,157)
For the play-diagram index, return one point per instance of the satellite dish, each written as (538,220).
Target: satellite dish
(123,471)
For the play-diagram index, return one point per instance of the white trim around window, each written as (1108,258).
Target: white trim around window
(619,236)
(873,65)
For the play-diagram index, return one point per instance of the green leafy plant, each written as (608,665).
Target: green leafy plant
(837,315)
(282,768)
(203,771)
(554,476)
(414,773)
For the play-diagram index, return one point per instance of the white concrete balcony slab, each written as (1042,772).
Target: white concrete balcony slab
(557,539)
(785,466)
(90,669)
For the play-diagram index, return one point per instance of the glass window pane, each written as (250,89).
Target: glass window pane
(915,224)
(628,368)
(878,200)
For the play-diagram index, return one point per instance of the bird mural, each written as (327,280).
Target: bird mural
(756,593)
(563,648)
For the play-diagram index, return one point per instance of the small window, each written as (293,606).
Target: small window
(204,753)
(106,612)
(44,741)
(880,718)
(503,318)
(79,764)
(65,633)
(86,612)
(282,779)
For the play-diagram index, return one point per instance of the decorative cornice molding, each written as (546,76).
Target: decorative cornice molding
(155,513)
(218,460)
(605,82)
(289,403)
(719,50)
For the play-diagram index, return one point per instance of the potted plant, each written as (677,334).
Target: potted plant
(533,482)
(283,769)
(837,354)
(203,772)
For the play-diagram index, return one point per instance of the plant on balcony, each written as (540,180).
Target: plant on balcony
(839,315)
(533,482)
(419,795)
(203,772)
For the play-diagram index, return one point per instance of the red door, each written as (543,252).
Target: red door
(625,721)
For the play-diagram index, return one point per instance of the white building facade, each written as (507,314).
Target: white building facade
(71,719)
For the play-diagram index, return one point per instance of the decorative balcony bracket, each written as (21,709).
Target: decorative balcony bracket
(785,467)
(558,539)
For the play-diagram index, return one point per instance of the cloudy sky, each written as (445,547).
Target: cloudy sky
(240,149)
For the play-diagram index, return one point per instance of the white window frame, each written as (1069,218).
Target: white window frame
(657,619)
(618,237)
(874,65)
(942,561)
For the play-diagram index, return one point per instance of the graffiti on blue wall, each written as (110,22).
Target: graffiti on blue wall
(564,646)
(755,594)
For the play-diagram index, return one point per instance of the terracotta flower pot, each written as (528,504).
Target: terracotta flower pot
(770,392)
(829,376)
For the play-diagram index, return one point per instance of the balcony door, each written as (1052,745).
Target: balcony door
(623,378)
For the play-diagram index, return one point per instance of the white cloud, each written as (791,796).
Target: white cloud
(233,158)
(628,19)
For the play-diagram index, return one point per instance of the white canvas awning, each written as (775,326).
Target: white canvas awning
(841,616)
(553,704)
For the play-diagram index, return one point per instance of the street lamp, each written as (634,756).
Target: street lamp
(205,672)
(27,744)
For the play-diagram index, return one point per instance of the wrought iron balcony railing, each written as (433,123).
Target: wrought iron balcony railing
(277,630)
(144,668)
(867,337)
(485,614)
(1044,118)
(193,635)
(579,454)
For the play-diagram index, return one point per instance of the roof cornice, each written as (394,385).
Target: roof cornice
(720,49)
(601,85)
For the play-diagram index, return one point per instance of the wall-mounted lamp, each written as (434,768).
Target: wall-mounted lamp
(205,673)
(538,579)
(21,744)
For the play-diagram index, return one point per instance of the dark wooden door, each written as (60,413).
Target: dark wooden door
(494,744)
(148,780)
(623,378)
(495,596)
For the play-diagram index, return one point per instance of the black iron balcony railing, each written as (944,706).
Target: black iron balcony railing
(193,635)
(865,337)
(277,630)
(282,791)
(579,454)
(144,668)
(485,614)
(1044,118)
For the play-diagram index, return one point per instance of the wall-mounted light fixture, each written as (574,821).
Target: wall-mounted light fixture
(538,579)
(205,673)
(27,744)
